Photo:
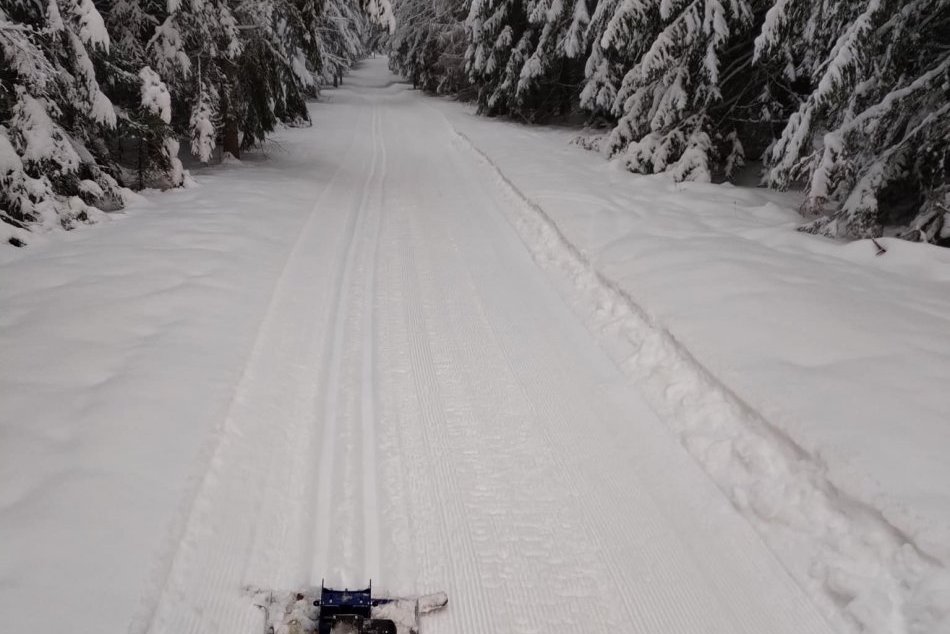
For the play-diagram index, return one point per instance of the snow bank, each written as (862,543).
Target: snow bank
(805,375)
(121,347)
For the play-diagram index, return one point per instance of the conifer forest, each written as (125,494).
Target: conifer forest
(848,101)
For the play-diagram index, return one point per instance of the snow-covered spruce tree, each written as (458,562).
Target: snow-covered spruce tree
(682,64)
(81,111)
(274,68)
(871,138)
(53,114)
(283,49)
(194,51)
(526,57)
(610,57)
(494,29)
(143,143)
(234,69)
(342,29)
(552,72)
(380,13)
(428,44)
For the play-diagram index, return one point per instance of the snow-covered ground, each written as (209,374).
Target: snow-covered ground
(343,360)
(808,376)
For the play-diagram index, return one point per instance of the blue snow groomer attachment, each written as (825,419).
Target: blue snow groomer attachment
(326,610)
(351,611)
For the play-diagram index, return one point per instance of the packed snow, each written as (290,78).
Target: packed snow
(808,387)
(458,354)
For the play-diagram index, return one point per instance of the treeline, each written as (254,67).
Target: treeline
(95,97)
(847,99)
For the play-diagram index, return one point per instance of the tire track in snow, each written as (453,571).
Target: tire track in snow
(295,548)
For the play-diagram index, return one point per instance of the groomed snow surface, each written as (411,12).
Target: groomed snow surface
(450,353)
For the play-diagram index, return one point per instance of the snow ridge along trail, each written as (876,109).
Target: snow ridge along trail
(865,574)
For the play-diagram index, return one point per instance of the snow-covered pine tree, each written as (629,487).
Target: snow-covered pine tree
(670,104)
(194,51)
(142,141)
(552,73)
(52,117)
(287,46)
(342,28)
(526,57)
(609,58)
(503,97)
(494,27)
(380,13)
(273,70)
(81,111)
(871,138)
(234,69)
(429,43)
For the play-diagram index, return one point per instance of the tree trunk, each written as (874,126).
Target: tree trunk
(231,142)
(141,165)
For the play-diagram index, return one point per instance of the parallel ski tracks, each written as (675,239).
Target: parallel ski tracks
(332,485)
(263,509)
(240,519)
(369,388)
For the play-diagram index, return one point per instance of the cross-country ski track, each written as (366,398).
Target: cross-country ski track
(424,406)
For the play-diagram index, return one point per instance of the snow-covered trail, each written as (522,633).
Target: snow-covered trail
(448,423)
(418,405)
